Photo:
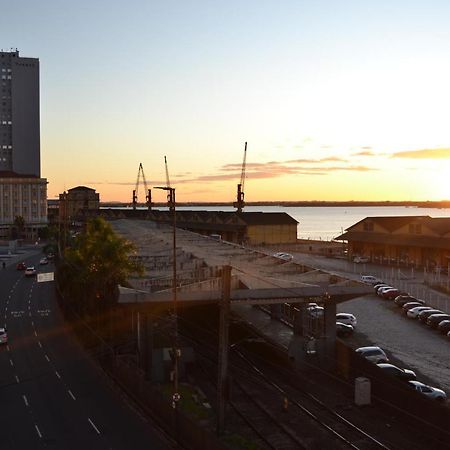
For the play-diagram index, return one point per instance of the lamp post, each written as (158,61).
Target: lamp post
(175,350)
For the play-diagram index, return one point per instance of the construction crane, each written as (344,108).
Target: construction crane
(240,203)
(148,195)
(170,191)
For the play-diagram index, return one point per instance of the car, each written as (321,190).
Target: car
(361,259)
(392,294)
(402,374)
(444,326)
(30,271)
(373,354)
(283,255)
(347,318)
(407,306)
(50,256)
(435,319)
(423,316)
(43,261)
(402,299)
(378,286)
(343,329)
(3,336)
(414,312)
(382,289)
(369,279)
(315,310)
(429,391)
(21,266)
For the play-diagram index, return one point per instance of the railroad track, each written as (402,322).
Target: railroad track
(260,401)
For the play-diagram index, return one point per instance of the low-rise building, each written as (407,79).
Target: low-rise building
(76,202)
(420,241)
(25,197)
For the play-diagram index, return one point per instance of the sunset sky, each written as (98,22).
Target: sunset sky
(338,100)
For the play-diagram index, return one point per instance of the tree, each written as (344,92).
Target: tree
(98,261)
(18,228)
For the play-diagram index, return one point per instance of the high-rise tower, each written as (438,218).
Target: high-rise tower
(19,114)
(23,193)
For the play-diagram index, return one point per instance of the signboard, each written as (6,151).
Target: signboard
(44,277)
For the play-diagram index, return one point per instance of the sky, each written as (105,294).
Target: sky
(338,100)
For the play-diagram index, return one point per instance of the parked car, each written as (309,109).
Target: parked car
(392,294)
(423,316)
(21,266)
(3,336)
(383,289)
(361,259)
(435,319)
(429,391)
(373,353)
(343,329)
(30,271)
(414,312)
(402,374)
(347,318)
(402,299)
(444,326)
(379,285)
(43,261)
(369,279)
(285,256)
(315,311)
(407,306)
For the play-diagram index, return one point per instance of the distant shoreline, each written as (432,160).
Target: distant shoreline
(287,204)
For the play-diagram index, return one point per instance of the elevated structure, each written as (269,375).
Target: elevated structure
(77,202)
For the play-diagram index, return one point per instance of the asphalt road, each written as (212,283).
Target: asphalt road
(52,395)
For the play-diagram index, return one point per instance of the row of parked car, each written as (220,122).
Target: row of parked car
(378,356)
(415,308)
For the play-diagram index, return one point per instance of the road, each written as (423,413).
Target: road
(52,394)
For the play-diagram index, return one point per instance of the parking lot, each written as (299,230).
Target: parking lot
(407,342)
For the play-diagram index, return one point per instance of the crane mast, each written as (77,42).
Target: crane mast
(170,191)
(240,203)
(148,192)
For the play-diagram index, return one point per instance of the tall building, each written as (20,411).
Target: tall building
(22,190)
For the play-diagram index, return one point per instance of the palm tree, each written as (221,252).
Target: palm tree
(95,265)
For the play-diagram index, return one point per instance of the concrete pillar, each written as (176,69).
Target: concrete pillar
(298,320)
(330,333)
(275,311)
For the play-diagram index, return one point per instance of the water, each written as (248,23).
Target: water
(328,222)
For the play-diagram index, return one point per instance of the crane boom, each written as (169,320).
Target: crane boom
(136,189)
(240,203)
(167,173)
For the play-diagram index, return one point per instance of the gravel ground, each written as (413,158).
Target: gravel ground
(407,342)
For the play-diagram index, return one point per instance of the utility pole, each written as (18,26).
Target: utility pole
(222,370)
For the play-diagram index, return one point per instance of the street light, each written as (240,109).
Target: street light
(175,349)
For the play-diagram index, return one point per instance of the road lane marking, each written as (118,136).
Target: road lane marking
(47,358)
(39,343)
(73,396)
(93,426)
(11,362)
(17,379)
(57,374)
(32,323)
(7,346)
(25,400)
(38,431)
(35,333)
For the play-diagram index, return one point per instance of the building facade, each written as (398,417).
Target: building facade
(415,241)
(23,193)
(24,197)
(75,203)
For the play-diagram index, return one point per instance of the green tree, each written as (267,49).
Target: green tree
(98,261)
(18,227)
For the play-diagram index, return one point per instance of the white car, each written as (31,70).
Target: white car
(429,391)
(30,271)
(43,261)
(413,313)
(3,336)
(285,256)
(384,289)
(361,259)
(369,279)
(315,310)
(373,354)
(346,318)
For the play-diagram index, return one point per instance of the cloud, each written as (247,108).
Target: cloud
(433,153)
(364,153)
